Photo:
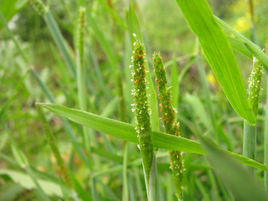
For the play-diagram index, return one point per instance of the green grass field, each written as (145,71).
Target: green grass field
(128,100)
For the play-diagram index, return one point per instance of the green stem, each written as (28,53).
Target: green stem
(253,29)
(125,179)
(249,141)
(81,81)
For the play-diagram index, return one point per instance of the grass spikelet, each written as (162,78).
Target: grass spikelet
(143,125)
(39,6)
(81,33)
(255,85)
(168,118)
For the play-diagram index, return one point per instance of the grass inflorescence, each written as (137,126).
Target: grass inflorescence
(254,88)
(39,6)
(143,125)
(168,118)
(254,85)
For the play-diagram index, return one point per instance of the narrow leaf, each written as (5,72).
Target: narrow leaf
(25,181)
(219,54)
(243,44)
(59,40)
(242,184)
(127,132)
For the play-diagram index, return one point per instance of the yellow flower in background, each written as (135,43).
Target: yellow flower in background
(211,79)
(242,23)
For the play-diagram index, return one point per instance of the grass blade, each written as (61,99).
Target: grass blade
(59,40)
(26,182)
(107,48)
(233,174)
(47,93)
(127,132)
(219,54)
(244,45)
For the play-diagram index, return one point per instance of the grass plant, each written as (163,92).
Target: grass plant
(79,124)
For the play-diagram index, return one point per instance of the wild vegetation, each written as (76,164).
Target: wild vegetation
(133,100)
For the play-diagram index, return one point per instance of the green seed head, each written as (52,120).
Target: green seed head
(81,32)
(39,6)
(167,110)
(254,88)
(143,125)
(168,118)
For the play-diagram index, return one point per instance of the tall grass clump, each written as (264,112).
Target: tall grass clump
(168,118)
(143,124)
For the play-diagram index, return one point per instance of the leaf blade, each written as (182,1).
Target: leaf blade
(127,132)
(233,174)
(219,54)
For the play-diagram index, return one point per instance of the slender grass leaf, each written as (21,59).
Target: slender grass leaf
(133,25)
(39,189)
(263,58)
(25,181)
(199,109)
(242,184)
(242,43)
(11,8)
(59,40)
(99,76)
(125,194)
(66,125)
(111,11)
(127,132)
(106,46)
(219,54)
(107,155)
(240,47)
(46,91)
(181,75)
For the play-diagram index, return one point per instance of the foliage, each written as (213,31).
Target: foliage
(67,130)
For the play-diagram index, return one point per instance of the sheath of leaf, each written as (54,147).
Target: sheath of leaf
(39,6)
(168,118)
(143,127)
(255,85)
